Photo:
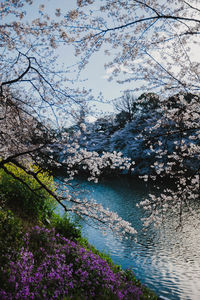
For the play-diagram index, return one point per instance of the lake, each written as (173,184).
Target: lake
(164,259)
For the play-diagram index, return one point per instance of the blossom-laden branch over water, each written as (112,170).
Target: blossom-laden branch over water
(154,45)
(33,92)
(154,41)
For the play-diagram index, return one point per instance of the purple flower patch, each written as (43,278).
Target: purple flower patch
(52,267)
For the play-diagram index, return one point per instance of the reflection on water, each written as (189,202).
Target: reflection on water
(166,260)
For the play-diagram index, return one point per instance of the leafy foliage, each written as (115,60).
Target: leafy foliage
(23,193)
(65,227)
(11,239)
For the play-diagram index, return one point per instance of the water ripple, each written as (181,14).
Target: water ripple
(166,260)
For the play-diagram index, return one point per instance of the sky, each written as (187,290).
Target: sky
(94,76)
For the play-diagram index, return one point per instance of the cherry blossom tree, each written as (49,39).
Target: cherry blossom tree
(153,44)
(129,106)
(34,93)
(177,159)
(126,107)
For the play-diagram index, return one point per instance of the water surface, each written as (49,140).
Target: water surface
(165,259)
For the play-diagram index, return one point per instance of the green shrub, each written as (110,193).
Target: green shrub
(35,202)
(11,239)
(65,227)
(11,235)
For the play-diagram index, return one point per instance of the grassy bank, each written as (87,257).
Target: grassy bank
(43,255)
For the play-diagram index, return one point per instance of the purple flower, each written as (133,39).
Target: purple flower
(59,268)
